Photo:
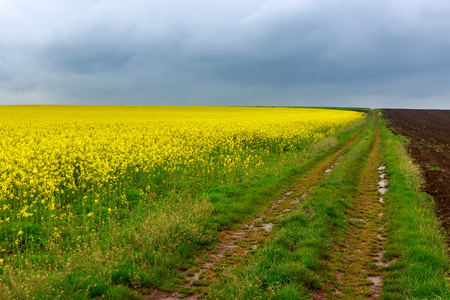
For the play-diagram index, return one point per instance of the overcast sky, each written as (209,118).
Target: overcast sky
(307,52)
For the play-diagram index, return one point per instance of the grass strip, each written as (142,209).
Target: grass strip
(414,234)
(292,264)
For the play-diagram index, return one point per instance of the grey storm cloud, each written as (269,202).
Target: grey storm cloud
(85,57)
(304,52)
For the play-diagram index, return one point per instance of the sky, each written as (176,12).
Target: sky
(353,53)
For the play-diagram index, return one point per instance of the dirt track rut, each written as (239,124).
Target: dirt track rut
(234,245)
(359,264)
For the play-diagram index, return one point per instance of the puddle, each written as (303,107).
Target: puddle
(383,183)
(358,219)
(295,201)
(376,287)
(382,175)
(377,283)
(377,280)
(288,193)
(380,214)
(267,226)
(381,168)
(381,237)
(385,264)
(328,171)
(277,202)
(252,227)
(380,261)
(381,264)
(383,190)
(381,200)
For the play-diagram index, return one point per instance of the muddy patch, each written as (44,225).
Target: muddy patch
(158,295)
(339,276)
(267,226)
(383,190)
(383,182)
(358,219)
(319,296)
(376,287)
(381,237)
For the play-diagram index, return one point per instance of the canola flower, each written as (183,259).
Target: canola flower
(60,162)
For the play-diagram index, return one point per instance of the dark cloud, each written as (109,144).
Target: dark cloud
(85,57)
(325,52)
(335,45)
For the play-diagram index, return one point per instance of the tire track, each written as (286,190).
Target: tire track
(235,245)
(358,266)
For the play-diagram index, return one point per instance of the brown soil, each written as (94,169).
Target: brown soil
(429,133)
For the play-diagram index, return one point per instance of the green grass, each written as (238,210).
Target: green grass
(414,233)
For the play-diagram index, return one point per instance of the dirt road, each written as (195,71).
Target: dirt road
(236,244)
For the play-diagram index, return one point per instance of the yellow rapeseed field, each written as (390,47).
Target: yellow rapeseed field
(60,162)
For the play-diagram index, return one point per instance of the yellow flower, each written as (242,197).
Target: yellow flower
(53,155)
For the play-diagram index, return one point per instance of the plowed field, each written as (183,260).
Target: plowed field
(429,133)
